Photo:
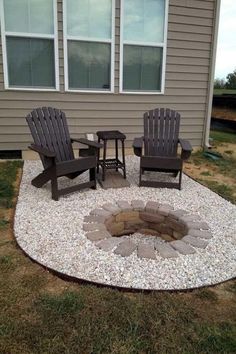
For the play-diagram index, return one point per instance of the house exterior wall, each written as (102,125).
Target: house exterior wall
(189,50)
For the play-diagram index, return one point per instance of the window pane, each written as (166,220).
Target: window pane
(142,68)
(29,16)
(144,20)
(30,62)
(89,18)
(89,65)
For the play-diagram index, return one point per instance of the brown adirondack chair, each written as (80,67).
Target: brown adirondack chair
(52,141)
(160,143)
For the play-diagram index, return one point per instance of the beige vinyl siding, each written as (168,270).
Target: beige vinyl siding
(189,45)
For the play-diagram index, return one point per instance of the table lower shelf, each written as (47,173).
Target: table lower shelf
(111,164)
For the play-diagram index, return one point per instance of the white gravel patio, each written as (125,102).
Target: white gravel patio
(52,234)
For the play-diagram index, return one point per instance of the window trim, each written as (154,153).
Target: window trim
(54,37)
(148,44)
(98,40)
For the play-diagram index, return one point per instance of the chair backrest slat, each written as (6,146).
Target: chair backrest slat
(55,124)
(171,137)
(52,135)
(49,129)
(176,132)
(150,134)
(45,129)
(67,141)
(146,145)
(166,142)
(156,126)
(161,132)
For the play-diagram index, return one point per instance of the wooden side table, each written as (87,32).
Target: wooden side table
(112,163)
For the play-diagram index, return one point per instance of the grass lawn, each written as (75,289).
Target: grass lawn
(40,313)
(224,91)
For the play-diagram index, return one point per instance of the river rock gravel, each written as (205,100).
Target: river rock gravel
(52,234)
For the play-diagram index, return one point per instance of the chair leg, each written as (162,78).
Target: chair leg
(92,177)
(140,175)
(54,183)
(54,187)
(104,160)
(42,178)
(116,144)
(180,179)
(175,174)
(123,157)
(98,157)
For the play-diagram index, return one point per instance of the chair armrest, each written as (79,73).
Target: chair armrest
(137,146)
(42,151)
(87,142)
(186,149)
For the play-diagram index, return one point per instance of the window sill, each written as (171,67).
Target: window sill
(89,91)
(31,89)
(142,92)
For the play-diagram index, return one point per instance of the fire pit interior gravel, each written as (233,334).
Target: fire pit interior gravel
(140,238)
(173,232)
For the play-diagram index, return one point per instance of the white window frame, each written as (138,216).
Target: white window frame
(89,39)
(54,36)
(147,44)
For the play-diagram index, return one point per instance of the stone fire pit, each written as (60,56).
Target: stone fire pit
(173,232)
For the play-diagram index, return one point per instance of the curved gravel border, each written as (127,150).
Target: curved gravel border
(52,234)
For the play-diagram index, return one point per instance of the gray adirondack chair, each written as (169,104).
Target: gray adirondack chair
(157,149)
(52,141)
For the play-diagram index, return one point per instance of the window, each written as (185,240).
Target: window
(29,39)
(89,45)
(143,45)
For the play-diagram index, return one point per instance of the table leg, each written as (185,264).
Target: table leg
(104,160)
(123,157)
(98,157)
(116,142)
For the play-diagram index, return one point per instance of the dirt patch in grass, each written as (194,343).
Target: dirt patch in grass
(227,149)
(218,175)
(224,113)
(40,313)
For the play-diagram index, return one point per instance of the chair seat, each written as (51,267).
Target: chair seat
(156,163)
(80,164)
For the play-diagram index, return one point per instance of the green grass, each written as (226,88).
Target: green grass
(93,320)
(232,288)
(8,171)
(207,294)
(224,91)
(6,263)
(206,173)
(3,223)
(219,338)
(6,260)
(223,137)
(227,166)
